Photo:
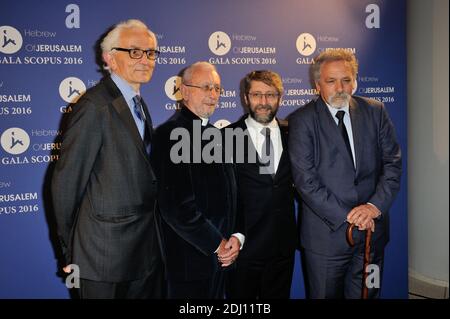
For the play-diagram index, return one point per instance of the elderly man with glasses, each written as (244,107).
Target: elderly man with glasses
(104,187)
(196,197)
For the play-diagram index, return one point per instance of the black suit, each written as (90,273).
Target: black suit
(265,264)
(197,202)
(104,192)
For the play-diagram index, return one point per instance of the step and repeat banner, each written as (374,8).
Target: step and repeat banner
(47,60)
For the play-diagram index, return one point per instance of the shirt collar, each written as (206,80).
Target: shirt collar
(334,110)
(204,121)
(124,87)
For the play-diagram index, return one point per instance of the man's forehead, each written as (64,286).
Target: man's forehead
(205,75)
(336,69)
(132,35)
(254,83)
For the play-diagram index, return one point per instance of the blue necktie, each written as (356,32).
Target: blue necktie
(138,108)
(139,111)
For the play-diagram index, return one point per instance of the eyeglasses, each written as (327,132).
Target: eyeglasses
(138,53)
(268,96)
(207,88)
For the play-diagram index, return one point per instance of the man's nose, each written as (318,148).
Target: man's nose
(213,93)
(145,60)
(264,98)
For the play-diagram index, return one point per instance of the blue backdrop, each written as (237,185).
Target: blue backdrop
(47,60)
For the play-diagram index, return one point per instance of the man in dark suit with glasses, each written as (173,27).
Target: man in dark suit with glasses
(197,193)
(104,187)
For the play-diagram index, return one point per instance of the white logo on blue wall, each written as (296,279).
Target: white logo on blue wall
(71,89)
(15,140)
(221,123)
(10,40)
(172,88)
(219,43)
(306,44)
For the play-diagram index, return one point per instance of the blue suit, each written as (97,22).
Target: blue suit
(330,187)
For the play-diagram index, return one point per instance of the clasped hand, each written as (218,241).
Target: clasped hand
(363,216)
(228,251)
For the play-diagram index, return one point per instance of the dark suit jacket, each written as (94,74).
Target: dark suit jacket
(197,202)
(104,190)
(266,202)
(325,177)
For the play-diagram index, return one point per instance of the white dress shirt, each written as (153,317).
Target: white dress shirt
(258,139)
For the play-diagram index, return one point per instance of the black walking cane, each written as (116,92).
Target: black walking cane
(365,290)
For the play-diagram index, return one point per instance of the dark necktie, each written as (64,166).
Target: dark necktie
(340,115)
(268,154)
(139,111)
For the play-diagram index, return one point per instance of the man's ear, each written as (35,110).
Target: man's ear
(280,99)
(184,92)
(355,86)
(317,86)
(109,60)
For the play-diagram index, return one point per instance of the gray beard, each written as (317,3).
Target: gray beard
(339,101)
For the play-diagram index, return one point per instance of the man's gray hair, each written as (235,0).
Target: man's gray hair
(334,55)
(112,38)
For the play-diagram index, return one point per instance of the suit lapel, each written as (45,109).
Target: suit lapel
(148,123)
(331,131)
(248,146)
(122,109)
(284,153)
(358,129)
